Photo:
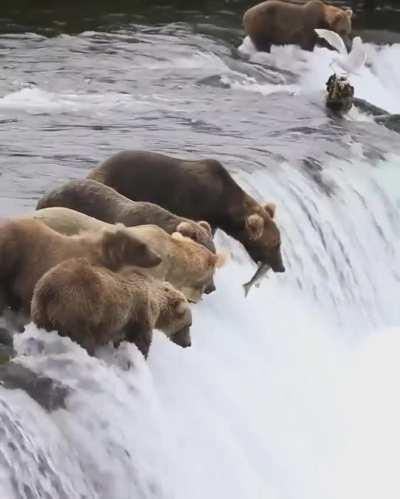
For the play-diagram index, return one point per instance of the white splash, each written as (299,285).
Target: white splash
(290,393)
(348,62)
(377,81)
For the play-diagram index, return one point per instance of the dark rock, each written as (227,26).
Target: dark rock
(48,393)
(367,107)
(340,94)
(6,337)
(392,122)
(7,351)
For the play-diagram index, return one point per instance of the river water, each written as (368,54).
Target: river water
(291,393)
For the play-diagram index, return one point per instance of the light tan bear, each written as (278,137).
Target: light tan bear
(28,249)
(278,22)
(93,306)
(187,265)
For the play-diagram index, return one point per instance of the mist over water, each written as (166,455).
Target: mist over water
(288,394)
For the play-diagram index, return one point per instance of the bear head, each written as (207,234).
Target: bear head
(120,248)
(339,20)
(203,264)
(175,318)
(260,236)
(200,232)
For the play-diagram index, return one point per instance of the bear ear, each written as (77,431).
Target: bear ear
(255,226)
(206,226)
(119,227)
(270,208)
(349,12)
(181,307)
(186,229)
(120,247)
(115,243)
(178,236)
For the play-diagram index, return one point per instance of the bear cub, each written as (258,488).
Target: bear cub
(93,305)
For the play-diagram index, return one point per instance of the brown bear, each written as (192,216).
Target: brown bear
(28,249)
(93,306)
(199,190)
(104,203)
(187,265)
(278,22)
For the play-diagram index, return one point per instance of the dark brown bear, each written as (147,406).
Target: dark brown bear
(28,249)
(277,22)
(100,201)
(199,190)
(93,306)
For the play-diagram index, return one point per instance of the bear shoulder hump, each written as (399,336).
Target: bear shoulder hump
(215,168)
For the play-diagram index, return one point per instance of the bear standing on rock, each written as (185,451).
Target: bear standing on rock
(93,306)
(279,22)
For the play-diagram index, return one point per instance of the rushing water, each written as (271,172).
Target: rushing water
(291,393)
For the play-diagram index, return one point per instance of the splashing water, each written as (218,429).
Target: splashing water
(377,82)
(276,397)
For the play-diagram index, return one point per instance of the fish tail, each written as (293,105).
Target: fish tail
(246,288)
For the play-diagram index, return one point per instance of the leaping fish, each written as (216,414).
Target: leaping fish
(255,280)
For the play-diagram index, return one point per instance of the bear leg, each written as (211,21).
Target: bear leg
(308,42)
(143,342)
(139,336)
(261,43)
(85,339)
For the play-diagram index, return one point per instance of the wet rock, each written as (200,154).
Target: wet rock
(48,393)
(6,354)
(340,94)
(6,337)
(392,122)
(7,351)
(369,108)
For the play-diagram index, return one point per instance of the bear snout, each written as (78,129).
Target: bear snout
(193,295)
(274,259)
(348,43)
(276,263)
(279,268)
(210,288)
(182,337)
(264,255)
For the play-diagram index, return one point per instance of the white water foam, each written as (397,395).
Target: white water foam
(288,394)
(280,395)
(377,82)
(38,101)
